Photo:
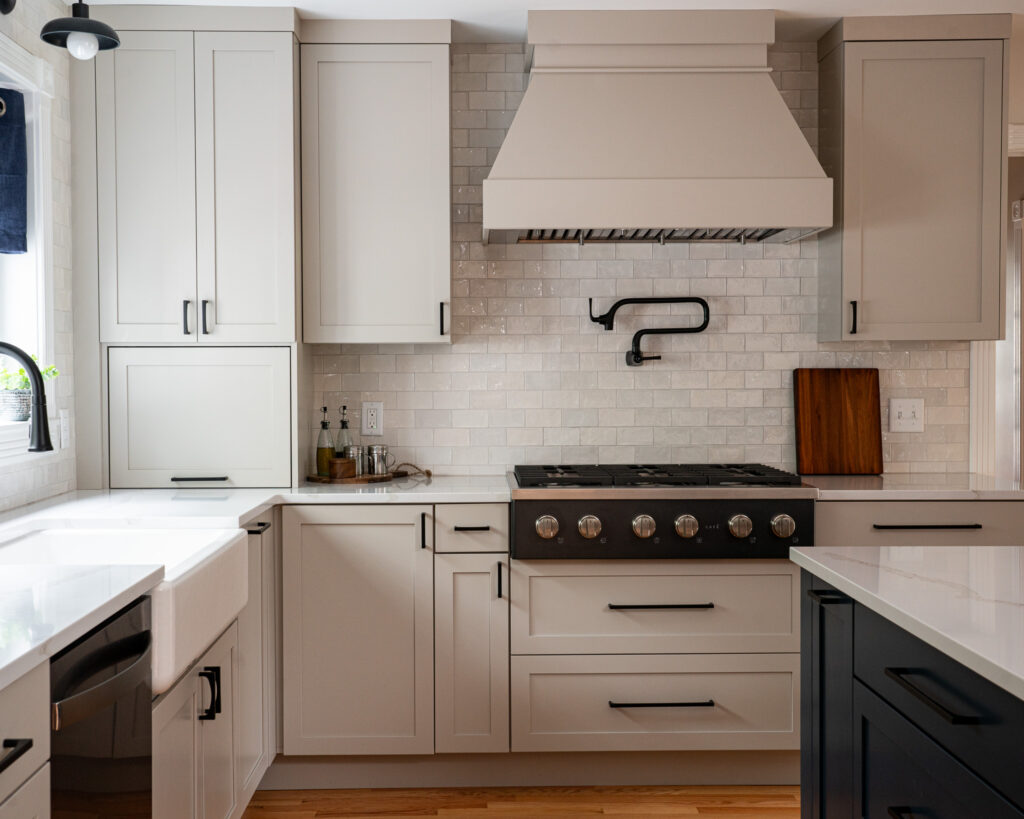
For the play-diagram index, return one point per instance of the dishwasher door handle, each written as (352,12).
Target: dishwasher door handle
(76,707)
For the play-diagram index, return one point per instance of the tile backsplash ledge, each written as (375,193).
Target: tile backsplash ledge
(529,378)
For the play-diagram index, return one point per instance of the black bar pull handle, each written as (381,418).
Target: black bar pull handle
(924,527)
(898,675)
(697,704)
(471,528)
(205,304)
(423,530)
(499,580)
(184,316)
(16,748)
(441,317)
(211,674)
(853,327)
(257,528)
(827,596)
(642,606)
(199,479)
(900,812)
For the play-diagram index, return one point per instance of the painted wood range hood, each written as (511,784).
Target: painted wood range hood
(654,126)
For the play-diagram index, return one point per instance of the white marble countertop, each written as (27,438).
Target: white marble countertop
(914,486)
(966,601)
(43,609)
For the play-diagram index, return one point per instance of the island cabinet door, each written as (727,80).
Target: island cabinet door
(358,629)
(826,741)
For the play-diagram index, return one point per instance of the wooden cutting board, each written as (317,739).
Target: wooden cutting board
(838,422)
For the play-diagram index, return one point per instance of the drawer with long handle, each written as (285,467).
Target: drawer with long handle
(24,728)
(650,702)
(653,607)
(471,527)
(917,523)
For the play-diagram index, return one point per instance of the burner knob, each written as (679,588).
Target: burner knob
(783,526)
(686,526)
(643,526)
(547,526)
(589,526)
(740,526)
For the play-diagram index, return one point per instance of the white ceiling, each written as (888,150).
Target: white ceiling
(505,20)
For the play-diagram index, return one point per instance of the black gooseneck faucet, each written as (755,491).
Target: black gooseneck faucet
(39,431)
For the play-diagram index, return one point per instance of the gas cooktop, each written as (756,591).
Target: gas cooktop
(653,475)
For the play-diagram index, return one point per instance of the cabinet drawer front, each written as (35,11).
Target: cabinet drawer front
(471,527)
(31,800)
(915,669)
(563,607)
(25,715)
(193,413)
(854,523)
(899,771)
(604,703)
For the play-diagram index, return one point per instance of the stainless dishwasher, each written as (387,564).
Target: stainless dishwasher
(101,737)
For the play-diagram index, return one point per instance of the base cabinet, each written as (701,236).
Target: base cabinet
(31,800)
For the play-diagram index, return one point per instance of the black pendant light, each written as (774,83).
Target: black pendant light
(80,35)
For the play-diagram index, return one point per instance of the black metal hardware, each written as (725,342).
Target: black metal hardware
(910,527)
(6,7)
(608,319)
(441,312)
(900,812)
(697,704)
(499,579)
(18,748)
(641,606)
(211,674)
(471,528)
(635,356)
(827,596)
(897,676)
(200,479)
(205,303)
(39,429)
(853,328)
(423,530)
(258,529)
(184,316)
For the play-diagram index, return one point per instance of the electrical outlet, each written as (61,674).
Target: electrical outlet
(373,418)
(65,429)
(906,415)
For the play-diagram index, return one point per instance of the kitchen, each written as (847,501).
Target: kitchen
(466,628)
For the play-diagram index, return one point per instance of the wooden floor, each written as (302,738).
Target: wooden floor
(721,802)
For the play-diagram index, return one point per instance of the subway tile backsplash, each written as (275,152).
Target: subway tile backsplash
(529,378)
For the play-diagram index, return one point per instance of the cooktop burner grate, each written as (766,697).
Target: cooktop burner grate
(654,475)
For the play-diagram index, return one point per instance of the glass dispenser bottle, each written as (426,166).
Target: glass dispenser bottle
(344,438)
(324,447)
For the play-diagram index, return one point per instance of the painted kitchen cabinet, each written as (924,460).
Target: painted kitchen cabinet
(913,130)
(358,630)
(194,244)
(194,739)
(917,523)
(376,187)
(471,653)
(218,416)
(31,800)
(25,731)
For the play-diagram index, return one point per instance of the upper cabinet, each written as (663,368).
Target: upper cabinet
(376,187)
(913,130)
(196,187)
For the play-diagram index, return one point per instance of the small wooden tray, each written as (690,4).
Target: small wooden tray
(359,479)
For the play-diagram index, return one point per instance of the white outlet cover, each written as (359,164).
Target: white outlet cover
(906,415)
(373,418)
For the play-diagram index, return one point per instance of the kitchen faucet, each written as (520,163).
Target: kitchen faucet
(39,431)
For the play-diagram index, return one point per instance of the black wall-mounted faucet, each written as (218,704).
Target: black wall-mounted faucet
(39,431)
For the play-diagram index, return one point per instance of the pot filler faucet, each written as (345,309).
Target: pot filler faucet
(39,431)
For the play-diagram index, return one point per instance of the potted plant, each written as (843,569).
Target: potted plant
(15,395)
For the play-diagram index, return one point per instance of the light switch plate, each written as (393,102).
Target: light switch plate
(373,418)
(906,415)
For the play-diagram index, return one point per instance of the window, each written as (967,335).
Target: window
(26,280)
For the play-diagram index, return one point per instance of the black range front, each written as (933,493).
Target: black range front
(638,528)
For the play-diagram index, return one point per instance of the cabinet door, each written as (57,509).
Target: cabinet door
(826,671)
(146,209)
(358,630)
(923,203)
(31,800)
(179,415)
(217,792)
(471,653)
(245,186)
(175,750)
(375,192)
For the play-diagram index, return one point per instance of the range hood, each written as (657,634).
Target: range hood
(654,126)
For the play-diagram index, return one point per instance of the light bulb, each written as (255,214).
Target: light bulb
(82,45)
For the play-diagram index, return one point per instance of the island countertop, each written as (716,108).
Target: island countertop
(966,601)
